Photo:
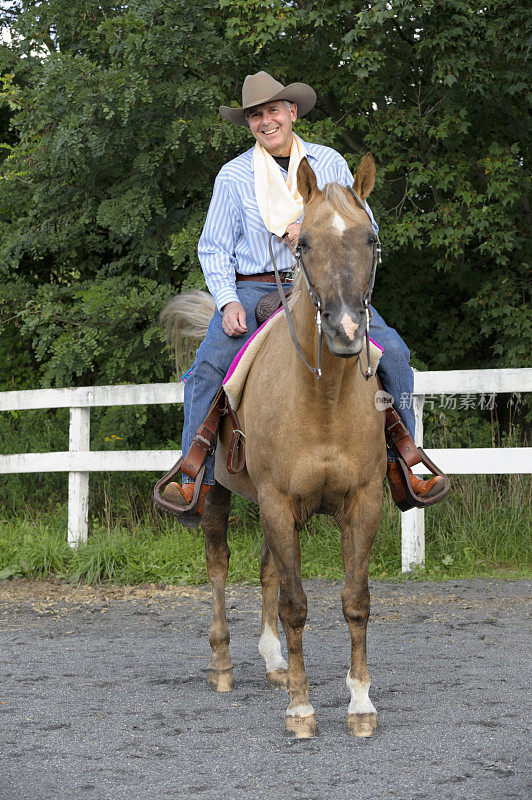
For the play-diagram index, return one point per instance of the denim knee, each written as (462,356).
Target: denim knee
(396,349)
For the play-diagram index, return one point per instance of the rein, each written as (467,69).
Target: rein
(315,297)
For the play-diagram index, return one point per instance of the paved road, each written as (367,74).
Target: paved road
(104,697)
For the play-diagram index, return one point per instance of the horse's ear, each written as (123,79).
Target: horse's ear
(306,180)
(365,177)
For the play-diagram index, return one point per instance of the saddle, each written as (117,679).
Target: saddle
(268,305)
(204,442)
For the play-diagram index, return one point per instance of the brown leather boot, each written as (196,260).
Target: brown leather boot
(181,496)
(419,487)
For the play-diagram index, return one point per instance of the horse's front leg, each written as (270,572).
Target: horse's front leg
(282,539)
(269,644)
(214,525)
(359,526)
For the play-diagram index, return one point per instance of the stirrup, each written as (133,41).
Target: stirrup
(203,443)
(413,500)
(187,515)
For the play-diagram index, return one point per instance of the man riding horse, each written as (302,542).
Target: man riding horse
(254,196)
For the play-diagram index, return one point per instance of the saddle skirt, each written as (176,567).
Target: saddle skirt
(235,380)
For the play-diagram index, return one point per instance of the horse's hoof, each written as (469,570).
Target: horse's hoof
(221,680)
(301,727)
(362,725)
(277,678)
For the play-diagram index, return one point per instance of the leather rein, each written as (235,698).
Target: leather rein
(315,297)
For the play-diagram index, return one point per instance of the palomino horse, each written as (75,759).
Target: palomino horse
(312,447)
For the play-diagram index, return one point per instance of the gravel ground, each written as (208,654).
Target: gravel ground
(104,696)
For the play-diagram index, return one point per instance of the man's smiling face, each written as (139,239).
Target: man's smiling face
(271,125)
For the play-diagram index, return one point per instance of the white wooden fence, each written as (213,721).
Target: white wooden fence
(79,460)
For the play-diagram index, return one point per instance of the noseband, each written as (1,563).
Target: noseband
(315,297)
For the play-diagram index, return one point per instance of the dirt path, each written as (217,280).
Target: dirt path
(104,697)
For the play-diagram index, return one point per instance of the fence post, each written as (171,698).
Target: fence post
(78,482)
(413,521)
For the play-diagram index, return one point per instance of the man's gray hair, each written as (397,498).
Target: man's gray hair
(287,103)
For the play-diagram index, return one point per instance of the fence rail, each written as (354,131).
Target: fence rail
(79,461)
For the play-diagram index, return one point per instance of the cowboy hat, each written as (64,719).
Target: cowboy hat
(262,88)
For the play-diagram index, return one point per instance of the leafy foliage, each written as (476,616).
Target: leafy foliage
(111,141)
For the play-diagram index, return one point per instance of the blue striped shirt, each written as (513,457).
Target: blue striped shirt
(235,239)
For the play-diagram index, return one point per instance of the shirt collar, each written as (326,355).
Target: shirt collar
(308,147)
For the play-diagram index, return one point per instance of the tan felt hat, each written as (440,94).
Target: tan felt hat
(262,88)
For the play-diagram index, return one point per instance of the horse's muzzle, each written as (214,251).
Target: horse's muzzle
(344,331)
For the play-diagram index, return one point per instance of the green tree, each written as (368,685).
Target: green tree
(113,160)
(436,90)
(113,142)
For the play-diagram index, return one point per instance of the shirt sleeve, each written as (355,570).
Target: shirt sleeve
(345,178)
(216,247)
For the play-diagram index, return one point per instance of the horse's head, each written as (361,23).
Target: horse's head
(337,244)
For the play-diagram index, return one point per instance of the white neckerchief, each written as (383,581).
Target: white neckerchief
(279,202)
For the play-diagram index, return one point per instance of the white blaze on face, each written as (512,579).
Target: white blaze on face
(338,223)
(360,702)
(349,326)
(270,650)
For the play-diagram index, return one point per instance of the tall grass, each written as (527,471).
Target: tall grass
(482,529)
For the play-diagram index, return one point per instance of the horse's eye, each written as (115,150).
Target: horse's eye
(303,245)
(372,239)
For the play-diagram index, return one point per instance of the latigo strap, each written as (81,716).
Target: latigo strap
(205,436)
(399,439)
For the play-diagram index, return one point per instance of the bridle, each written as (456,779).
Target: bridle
(316,299)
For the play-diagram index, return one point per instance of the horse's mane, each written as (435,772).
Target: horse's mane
(340,201)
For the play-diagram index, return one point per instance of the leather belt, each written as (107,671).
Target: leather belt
(265,277)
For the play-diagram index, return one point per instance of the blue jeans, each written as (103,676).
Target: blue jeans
(216,352)
(395,371)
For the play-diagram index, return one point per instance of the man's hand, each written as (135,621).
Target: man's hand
(234,319)
(291,235)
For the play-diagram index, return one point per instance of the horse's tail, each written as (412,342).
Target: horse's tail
(186,317)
